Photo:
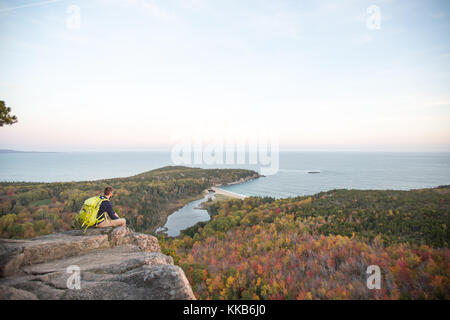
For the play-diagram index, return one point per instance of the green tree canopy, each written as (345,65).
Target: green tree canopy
(5,116)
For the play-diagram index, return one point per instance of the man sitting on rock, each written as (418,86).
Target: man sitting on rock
(112,219)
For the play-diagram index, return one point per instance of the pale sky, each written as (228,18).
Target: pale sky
(141,74)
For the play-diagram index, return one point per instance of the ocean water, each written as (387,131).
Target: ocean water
(395,171)
(401,171)
(77,166)
(350,170)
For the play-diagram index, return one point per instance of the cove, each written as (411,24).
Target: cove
(185,217)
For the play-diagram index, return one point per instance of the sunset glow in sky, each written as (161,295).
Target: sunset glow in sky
(140,74)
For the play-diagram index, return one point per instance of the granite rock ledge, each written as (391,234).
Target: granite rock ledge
(113,264)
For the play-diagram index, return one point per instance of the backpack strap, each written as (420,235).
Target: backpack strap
(97,206)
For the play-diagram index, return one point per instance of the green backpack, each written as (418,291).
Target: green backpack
(88,213)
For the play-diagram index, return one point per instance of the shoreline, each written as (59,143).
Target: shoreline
(184,202)
(172,209)
(218,190)
(228,193)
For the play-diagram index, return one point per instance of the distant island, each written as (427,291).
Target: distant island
(16,151)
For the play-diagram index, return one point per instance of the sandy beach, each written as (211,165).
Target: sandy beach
(228,193)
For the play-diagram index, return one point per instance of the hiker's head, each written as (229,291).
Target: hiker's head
(108,192)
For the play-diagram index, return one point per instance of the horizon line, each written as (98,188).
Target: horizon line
(4,151)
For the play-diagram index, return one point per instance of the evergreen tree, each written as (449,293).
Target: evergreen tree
(5,116)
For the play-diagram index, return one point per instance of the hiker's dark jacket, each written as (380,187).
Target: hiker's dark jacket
(106,207)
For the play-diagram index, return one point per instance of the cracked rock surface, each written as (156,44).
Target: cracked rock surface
(113,264)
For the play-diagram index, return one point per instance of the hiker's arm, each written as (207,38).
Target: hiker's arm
(112,215)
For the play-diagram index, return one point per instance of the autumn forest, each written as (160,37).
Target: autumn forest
(307,247)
